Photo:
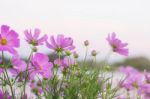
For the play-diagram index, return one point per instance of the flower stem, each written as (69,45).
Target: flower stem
(26,73)
(7,77)
(86,53)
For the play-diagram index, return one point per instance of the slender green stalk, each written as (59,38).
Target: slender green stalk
(86,53)
(7,77)
(26,73)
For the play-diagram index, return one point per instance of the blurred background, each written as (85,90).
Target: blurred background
(83,20)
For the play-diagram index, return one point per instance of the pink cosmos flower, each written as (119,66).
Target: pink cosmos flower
(34,39)
(19,66)
(41,65)
(64,63)
(117,45)
(8,40)
(133,79)
(61,43)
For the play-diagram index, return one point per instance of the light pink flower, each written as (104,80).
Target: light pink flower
(19,66)
(133,78)
(61,43)
(117,45)
(34,39)
(41,65)
(8,39)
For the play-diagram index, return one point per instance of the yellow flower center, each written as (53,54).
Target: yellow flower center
(33,42)
(134,84)
(3,41)
(114,46)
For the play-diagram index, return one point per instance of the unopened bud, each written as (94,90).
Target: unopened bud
(34,49)
(93,53)
(86,42)
(75,55)
(68,53)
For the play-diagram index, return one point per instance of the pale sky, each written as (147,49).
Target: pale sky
(82,19)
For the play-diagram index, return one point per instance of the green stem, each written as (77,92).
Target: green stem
(26,74)
(86,53)
(7,77)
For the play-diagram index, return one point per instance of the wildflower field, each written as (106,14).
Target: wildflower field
(65,77)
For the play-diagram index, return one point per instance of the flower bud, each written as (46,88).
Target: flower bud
(86,42)
(68,53)
(34,49)
(75,55)
(93,53)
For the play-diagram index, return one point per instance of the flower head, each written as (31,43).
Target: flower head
(117,45)
(41,65)
(133,78)
(8,40)
(34,39)
(61,43)
(19,66)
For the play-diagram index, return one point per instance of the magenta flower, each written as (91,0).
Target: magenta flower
(8,40)
(34,39)
(117,45)
(64,63)
(19,66)
(41,66)
(61,43)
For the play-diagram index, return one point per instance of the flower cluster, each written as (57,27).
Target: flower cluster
(61,77)
(135,80)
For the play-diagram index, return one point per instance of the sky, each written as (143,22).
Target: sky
(83,20)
